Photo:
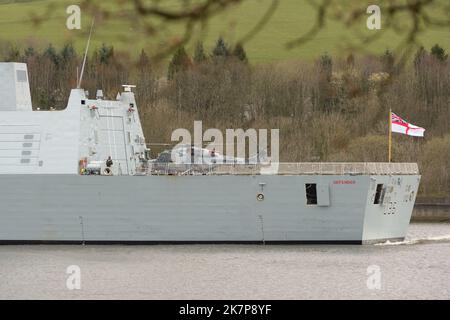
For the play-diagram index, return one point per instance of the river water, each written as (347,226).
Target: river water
(416,268)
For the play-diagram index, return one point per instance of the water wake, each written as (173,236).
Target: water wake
(437,239)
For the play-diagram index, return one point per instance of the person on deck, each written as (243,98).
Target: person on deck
(109,162)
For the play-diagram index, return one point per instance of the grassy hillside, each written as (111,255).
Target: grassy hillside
(291,19)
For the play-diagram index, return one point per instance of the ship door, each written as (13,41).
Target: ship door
(317,194)
(323,195)
(112,142)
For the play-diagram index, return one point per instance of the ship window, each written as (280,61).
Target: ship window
(311,193)
(378,194)
(21,76)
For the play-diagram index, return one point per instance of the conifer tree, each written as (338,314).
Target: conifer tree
(200,55)
(439,53)
(221,49)
(51,54)
(239,52)
(105,54)
(67,52)
(180,62)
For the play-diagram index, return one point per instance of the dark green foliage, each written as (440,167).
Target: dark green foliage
(439,53)
(239,52)
(51,54)
(199,55)
(68,53)
(221,49)
(29,52)
(105,54)
(180,62)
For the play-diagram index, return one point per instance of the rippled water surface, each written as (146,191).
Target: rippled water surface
(417,268)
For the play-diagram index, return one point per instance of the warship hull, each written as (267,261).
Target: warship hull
(204,209)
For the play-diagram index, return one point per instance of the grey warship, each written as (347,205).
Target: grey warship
(47,195)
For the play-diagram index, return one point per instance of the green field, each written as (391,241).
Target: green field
(292,18)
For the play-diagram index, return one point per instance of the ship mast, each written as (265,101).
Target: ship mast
(85,56)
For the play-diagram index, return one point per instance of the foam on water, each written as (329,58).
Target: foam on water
(437,239)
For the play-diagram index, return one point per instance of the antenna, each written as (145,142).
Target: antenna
(127,87)
(85,56)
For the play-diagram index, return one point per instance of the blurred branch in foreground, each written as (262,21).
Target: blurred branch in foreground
(408,18)
(198,13)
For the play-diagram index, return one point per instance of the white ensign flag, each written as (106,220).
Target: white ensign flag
(401,126)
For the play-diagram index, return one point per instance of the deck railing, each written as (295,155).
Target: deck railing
(286,168)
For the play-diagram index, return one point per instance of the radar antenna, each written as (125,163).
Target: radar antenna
(85,56)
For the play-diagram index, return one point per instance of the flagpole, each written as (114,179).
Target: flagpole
(390,135)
